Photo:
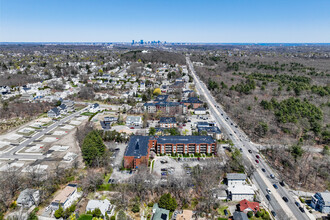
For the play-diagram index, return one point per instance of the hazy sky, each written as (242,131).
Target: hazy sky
(219,21)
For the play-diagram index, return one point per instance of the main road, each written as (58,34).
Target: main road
(284,210)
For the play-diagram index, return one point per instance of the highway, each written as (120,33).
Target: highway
(11,155)
(284,210)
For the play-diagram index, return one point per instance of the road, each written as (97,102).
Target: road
(11,155)
(262,179)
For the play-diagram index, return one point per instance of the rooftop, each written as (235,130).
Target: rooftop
(137,146)
(64,194)
(236,176)
(167,120)
(244,204)
(241,189)
(185,139)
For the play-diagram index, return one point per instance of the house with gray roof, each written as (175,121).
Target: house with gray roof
(321,202)
(159,213)
(28,198)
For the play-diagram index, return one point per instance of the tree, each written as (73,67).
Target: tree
(157,91)
(250,214)
(121,215)
(136,207)
(92,148)
(97,213)
(168,202)
(59,212)
(326,150)
(152,131)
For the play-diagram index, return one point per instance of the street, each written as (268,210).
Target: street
(240,140)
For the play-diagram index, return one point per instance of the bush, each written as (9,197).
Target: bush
(59,212)
(113,218)
(258,214)
(250,214)
(136,208)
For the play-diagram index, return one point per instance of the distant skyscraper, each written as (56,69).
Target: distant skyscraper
(132,41)
(141,41)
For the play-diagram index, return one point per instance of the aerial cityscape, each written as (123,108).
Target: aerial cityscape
(164,110)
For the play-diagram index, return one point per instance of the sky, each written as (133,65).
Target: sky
(199,21)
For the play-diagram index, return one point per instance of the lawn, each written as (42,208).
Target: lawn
(221,211)
(85,217)
(87,113)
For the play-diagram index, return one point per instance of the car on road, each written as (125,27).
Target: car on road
(241,149)
(297,203)
(257,156)
(302,209)
(257,161)
(275,186)
(263,170)
(272,176)
(250,151)
(282,183)
(285,199)
(268,197)
(273,213)
(268,191)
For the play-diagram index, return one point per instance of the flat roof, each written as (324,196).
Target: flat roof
(236,176)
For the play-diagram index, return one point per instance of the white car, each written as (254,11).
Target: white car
(268,191)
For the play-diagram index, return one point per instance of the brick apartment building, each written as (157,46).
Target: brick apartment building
(139,147)
(167,122)
(194,102)
(170,108)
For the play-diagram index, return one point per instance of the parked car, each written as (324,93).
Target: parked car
(275,186)
(268,197)
(297,203)
(285,199)
(257,161)
(263,170)
(257,156)
(272,176)
(250,151)
(302,209)
(282,183)
(273,213)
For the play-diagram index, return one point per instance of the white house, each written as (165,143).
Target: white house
(200,111)
(134,121)
(104,206)
(28,198)
(238,189)
(54,113)
(94,108)
(66,197)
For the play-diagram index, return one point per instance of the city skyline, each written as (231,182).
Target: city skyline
(171,21)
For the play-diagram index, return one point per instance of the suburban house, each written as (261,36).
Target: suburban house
(194,102)
(167,122)
(321,202)
(159,213)
(104,206)
(161,98)
(54,113)
(209,128)
(200,111)
(66,197)
(238,189)
(94,108)
(28,198)
(63,109)
(139,147)
(246,206)
(69,104)
(107,121)
(134,121)
(240,216)
(185,215)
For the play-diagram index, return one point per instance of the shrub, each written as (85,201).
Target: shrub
(113,218)
(59,212)
(250,214)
